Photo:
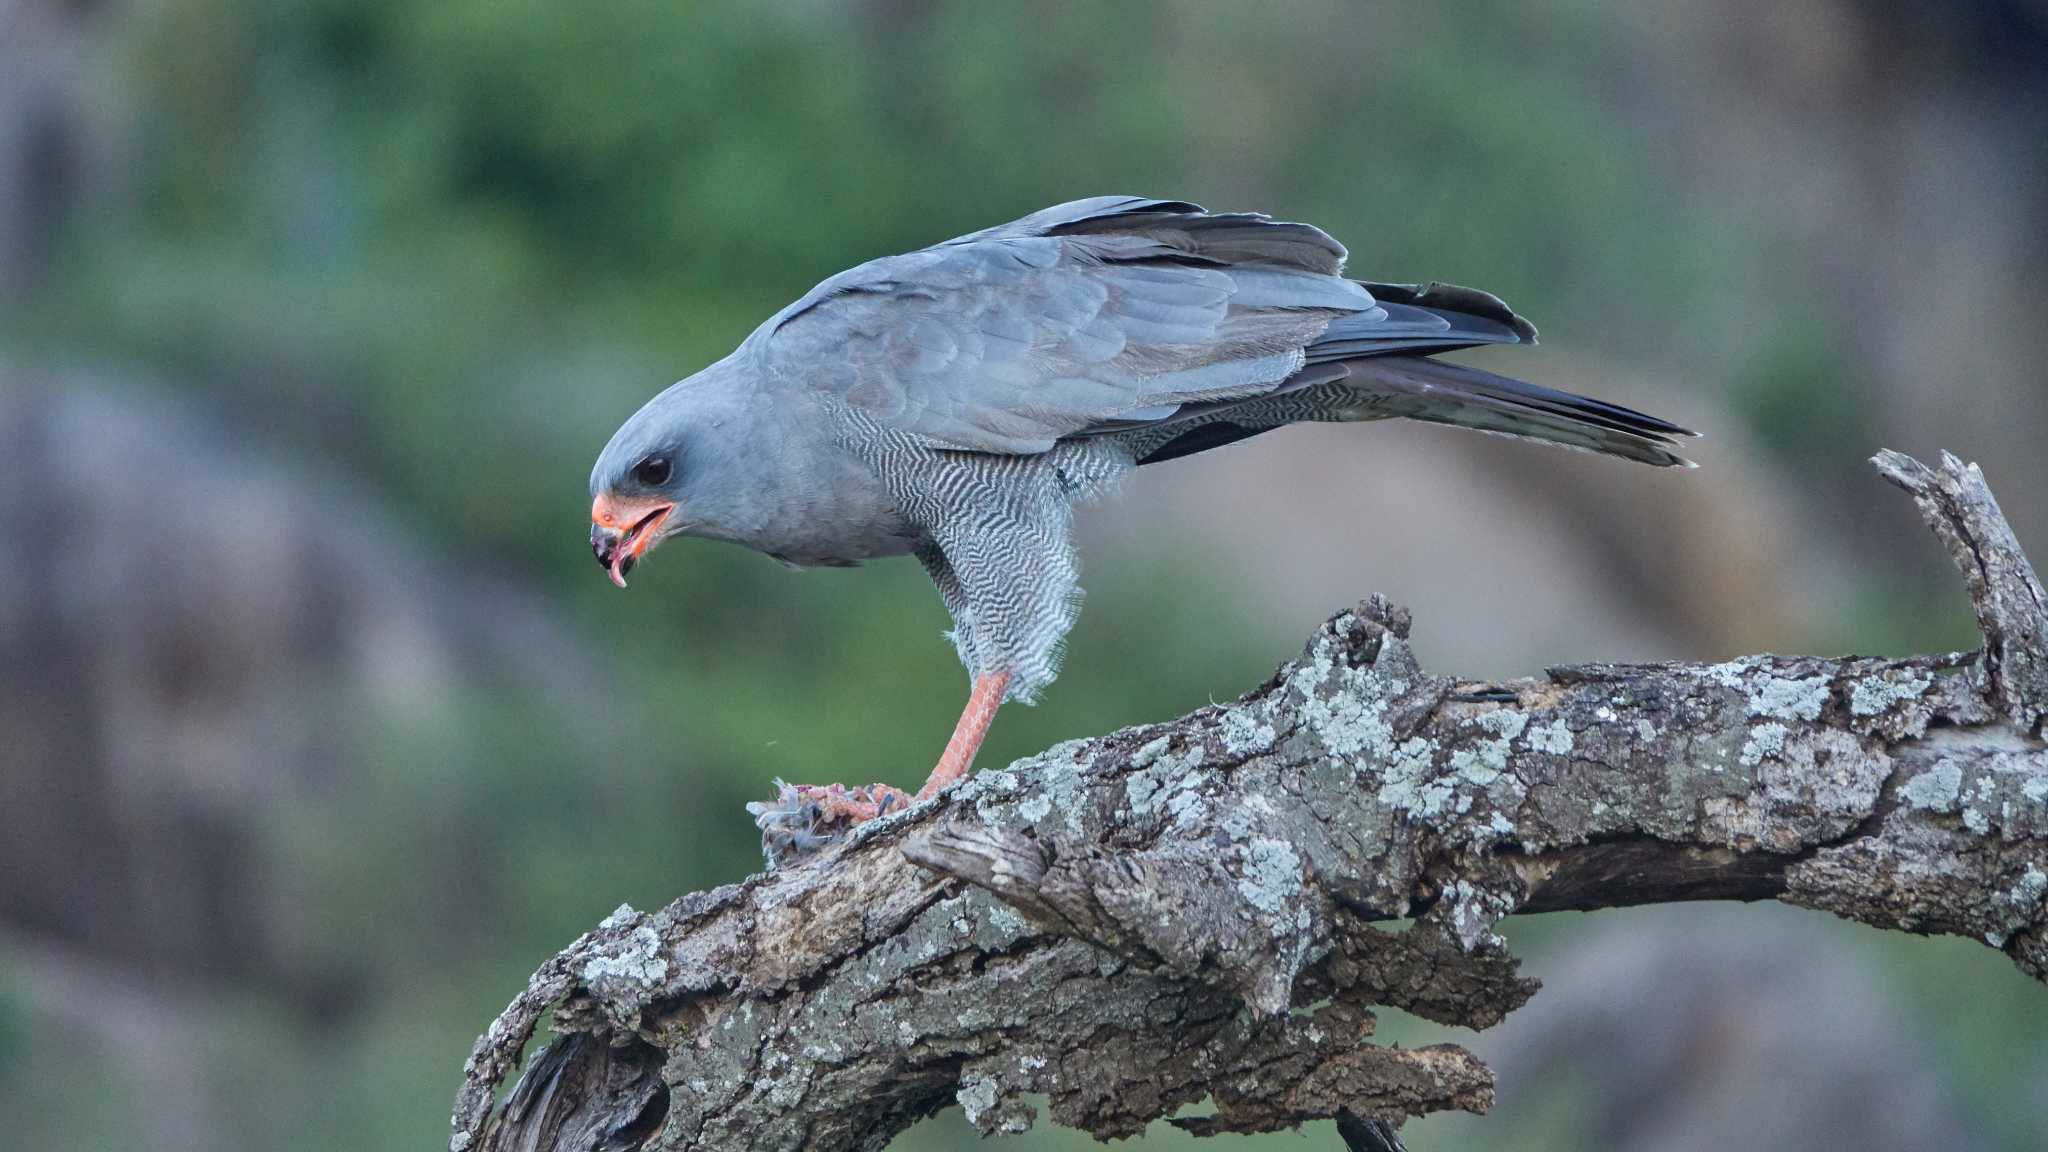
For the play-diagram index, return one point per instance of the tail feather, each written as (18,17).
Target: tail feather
(1420,388)
(1376,362)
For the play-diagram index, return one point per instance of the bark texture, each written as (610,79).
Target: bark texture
(1129,924)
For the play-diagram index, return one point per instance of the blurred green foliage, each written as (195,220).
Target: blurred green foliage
(13,1024)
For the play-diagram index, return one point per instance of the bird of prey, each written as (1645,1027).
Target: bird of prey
(954,404)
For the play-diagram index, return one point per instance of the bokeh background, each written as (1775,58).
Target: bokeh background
(319,729)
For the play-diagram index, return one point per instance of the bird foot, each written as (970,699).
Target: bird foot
(856,805)
(807,818)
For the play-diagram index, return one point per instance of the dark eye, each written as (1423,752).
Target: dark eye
(652,471)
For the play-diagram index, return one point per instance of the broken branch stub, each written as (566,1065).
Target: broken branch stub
(2011,607)
(1131,924)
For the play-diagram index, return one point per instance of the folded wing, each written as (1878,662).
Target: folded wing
(1080,319)
(1107,315)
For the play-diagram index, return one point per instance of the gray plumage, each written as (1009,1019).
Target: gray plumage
(956,402)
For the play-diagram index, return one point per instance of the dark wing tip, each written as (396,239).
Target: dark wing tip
(1453,298)
(1100,213)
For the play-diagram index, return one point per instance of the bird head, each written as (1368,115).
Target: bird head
(678,465)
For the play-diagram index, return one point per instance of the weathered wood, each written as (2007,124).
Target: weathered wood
(2012,609)
(1133,923)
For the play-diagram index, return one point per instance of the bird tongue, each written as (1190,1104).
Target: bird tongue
(622,562)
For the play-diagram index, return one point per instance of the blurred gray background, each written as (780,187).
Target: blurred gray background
(321,730)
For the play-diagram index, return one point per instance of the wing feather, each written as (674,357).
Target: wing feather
(1093,316)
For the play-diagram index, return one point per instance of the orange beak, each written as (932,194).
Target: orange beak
(622,529)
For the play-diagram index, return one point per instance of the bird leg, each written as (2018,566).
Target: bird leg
(968,734)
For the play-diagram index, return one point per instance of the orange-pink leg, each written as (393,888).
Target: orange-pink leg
(968,734)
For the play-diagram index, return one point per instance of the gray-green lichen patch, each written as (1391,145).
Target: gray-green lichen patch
(1150,751)
(2006,790)
(1823,784)
(2026,896)
(1731,674)
(1789,699)
(1141,792)
(1480,764)
(1239,823)
(1247,730)
(989,792)
(1350,720)
(1005,921)
(1875,695)
(1554,738)
(1765,740)
(1789,788)
(1186,805)
(1483,762)
(1272,880)
(629,968)
(1768,694)
(994,1107)
(1356,715)
(1055,779)
(986,923)
(1001,780)
(1976,816)
(2018,908)
(1506,723)
(1937,789)
(1346,707)
(1469,912)
(1165,781)
(1409,780)
(976,1097)
(1172,789)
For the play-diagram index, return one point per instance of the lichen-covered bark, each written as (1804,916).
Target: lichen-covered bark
(1129,924)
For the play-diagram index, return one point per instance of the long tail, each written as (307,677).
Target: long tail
(1381,363)
(1422,388)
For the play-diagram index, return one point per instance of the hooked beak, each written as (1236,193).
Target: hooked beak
(622,529)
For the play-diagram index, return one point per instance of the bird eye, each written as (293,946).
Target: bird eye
(653,471)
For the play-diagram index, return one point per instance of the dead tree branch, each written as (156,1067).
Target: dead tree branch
(1132,923)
